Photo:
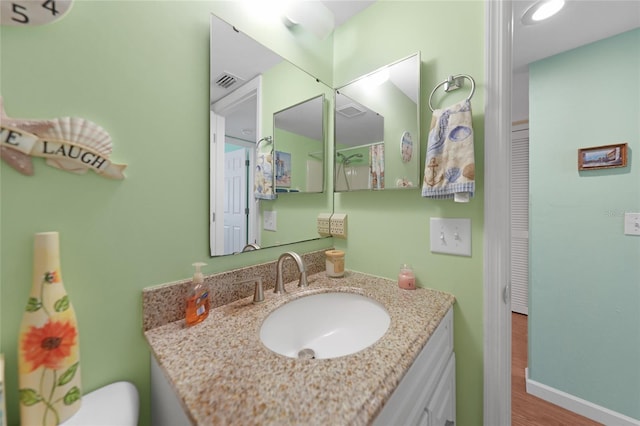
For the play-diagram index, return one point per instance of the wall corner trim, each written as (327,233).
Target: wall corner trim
(577,405)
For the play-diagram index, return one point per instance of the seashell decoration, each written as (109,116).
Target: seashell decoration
(68,143)
(469,171)
(460,133)
(80,131)
(452,174)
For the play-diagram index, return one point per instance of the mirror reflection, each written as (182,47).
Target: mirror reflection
(377,128)
(298,132)
(267,123)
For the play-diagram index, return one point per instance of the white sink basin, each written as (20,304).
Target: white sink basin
(330,325)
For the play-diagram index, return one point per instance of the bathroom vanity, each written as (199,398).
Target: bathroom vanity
(219,372)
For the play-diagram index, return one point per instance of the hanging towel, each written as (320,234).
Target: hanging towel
(449,170)
(263,177)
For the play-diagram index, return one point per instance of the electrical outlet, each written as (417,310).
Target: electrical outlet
(338,225)
(324,228)
(269,220)
(632,223)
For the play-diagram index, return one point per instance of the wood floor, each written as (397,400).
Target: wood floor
(528,410)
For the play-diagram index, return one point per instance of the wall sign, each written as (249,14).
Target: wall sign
(32,12)
(602,157)
(68,143)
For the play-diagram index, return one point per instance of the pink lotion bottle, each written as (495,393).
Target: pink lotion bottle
(406,278)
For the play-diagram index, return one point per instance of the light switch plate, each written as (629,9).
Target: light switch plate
(269,218)
(451,236)
(632,223)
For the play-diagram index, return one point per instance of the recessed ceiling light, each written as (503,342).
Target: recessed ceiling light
(541,10)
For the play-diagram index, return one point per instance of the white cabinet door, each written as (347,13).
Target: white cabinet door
(408,403)
(441,409)
(165,405)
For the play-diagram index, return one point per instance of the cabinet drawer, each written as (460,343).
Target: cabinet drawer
(409,400)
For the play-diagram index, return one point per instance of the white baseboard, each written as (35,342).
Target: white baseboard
(577,405)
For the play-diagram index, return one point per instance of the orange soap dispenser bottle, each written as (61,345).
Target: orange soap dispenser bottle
(198,304)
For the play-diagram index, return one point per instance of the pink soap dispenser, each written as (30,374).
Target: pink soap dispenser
(406,278)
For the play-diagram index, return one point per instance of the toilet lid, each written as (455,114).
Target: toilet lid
(114,404)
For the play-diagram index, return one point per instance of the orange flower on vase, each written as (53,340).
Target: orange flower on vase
(52,277)
(49,345)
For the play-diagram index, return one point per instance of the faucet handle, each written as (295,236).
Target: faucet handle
(258,292)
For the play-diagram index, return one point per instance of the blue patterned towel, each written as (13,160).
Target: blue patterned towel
(449,170)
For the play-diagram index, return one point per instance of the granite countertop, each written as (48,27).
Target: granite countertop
(223,374)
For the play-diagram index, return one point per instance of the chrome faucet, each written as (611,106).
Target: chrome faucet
(258,292)
(303,272)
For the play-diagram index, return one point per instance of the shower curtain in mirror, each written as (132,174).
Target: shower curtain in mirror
(376,166)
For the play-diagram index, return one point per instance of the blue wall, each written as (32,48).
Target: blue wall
(584,325)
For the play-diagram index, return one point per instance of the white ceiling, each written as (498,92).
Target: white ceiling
(580,22)
(343,10)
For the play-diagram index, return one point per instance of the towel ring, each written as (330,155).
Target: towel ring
(452,83)
(267,139)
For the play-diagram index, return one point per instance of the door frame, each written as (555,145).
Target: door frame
(251,89)
(497,215)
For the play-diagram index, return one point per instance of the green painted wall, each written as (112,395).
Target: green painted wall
(140,69)
(299,146)
(386,229)
(584,326)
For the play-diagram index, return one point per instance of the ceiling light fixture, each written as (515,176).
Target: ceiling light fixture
(311,15)
(541,10)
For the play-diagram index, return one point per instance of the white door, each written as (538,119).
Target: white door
(520,218)
(235,201)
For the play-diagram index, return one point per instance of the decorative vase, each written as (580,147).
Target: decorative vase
(48,348)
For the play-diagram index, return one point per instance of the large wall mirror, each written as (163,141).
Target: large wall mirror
(377,129)
(267,149)
(298,134)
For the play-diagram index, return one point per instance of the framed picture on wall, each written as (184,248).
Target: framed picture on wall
(283,169)
(602,157)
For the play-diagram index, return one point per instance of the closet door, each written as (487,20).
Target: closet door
(520,218)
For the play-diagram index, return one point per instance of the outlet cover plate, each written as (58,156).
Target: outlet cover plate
(338,225)
(323,223)
(450,236)
(632,223)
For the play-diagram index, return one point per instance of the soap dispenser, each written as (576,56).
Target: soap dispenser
(198,304)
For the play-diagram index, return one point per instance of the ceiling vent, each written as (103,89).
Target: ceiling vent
(227,80)
(351,110)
